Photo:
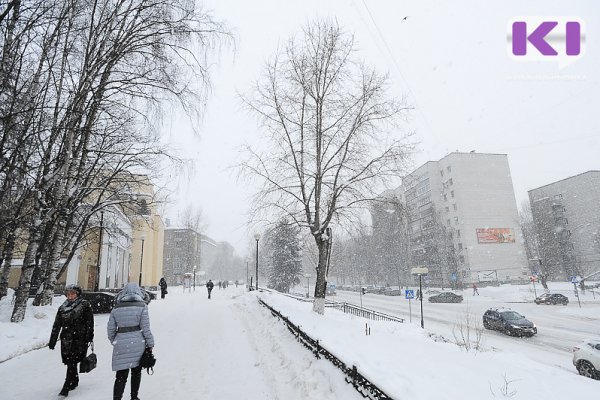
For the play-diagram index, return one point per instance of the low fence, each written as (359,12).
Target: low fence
(362,385)
(352,309)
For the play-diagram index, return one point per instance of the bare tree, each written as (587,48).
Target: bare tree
(391,239)
(325,117)
(192,217)
(79,76)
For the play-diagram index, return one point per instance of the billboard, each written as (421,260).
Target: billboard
(495,235)
(487,276)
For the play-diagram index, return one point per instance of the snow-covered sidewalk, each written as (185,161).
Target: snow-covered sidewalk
(228,347)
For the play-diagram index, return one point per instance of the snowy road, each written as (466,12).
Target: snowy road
(559,327)
(226,348)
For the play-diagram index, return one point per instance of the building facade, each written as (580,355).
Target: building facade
(566,216)
(463,220)
(185,248)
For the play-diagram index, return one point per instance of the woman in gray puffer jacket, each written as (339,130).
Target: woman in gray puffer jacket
(129,332)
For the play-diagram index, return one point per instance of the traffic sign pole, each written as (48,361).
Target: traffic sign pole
(577,294)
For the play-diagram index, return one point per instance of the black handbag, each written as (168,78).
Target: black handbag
(147,361)
(89,362)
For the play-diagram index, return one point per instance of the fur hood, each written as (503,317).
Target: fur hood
(131,292)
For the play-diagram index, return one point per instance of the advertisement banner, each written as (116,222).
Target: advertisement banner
(495,235)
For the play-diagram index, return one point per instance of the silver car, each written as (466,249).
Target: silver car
(586,358)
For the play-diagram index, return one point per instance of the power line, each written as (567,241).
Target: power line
(396,65)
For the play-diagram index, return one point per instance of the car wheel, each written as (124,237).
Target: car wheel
(585,368)
(486,325)
(549,302)
(507,331)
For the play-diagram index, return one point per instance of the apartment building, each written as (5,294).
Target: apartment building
(566,215)
(463,219)
(185,248)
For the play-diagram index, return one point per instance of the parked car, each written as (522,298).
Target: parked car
(330,290)
(102,302)
(552,298)
(509,322)
(393,292)
(446,297)
(586,358)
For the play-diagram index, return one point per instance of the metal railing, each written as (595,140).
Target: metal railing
(362,385)
(352,309)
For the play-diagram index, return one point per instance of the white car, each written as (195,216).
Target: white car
(586,358)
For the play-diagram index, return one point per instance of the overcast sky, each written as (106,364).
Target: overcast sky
(451,61)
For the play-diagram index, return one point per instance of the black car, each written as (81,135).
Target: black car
(102,302)
(446,297)
(552,298)
(509,322)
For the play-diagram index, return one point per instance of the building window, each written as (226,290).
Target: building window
(441,172)
(558,196)
(456,220)
(458,233)
(452,194)
(449,168)
(454,207)
(450,181)
(447,209)
(445,198)
(448,222)
(462,260)
(460,246)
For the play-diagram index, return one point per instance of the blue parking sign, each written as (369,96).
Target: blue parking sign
(409,294)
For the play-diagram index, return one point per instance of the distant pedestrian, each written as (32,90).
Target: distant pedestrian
(129,332)
(220,284)
(163,287)
(75,323)
(187,283)
(209,287)
(419,294)
(475,291)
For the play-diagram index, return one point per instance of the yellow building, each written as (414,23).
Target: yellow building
(110,255)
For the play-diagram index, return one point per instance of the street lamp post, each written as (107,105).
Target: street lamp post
(307,276)
(99,260)
(195,278)
(141,260)
(247,276)
(257,238)
(420,272)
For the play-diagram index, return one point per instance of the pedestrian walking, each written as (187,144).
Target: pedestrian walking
(475,291)
(209,287)
(129,332)
(220,284)
(187,282)
(74,324)
(163,287)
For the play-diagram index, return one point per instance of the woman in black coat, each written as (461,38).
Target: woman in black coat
(75,323)
(163,287)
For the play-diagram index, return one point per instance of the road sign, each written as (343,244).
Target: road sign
(453,276)
(419,271)
(409,294)
(574,279)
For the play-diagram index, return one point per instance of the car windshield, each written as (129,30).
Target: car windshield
(511,315)
(544,295)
